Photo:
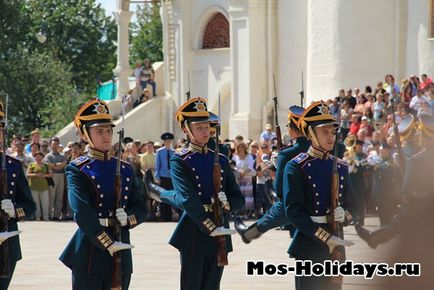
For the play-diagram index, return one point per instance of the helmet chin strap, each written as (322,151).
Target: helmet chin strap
(87,136)
(314,139)
(189,133)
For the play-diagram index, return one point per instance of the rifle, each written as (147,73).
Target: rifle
(302,90)
(188,93)
(5,271)
(338,253)
(222,255)
(276,118)
(116,283)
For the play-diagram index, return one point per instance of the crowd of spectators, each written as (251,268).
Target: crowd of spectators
(368,115)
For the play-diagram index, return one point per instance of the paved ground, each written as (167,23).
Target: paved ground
(156,264)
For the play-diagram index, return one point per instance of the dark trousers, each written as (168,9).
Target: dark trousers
(82,280)
(200,272)
(4,282)
(315,283)
(165,209)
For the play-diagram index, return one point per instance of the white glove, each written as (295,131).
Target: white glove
(339,214)
(222,231)
(122,217)
(223,199)
(334,241)
(6,235)
(8,207)
(118,246)
(222,196)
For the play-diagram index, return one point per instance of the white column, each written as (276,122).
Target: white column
(123,70)
(249,67)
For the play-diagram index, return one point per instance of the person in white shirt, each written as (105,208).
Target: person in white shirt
(417,101)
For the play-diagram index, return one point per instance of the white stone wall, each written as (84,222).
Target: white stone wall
(420,48)
(350,43)
(292,36)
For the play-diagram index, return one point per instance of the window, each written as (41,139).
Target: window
(216,34)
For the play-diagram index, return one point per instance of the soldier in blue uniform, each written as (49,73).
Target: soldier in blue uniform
(91,183)
(417,180)
(17,204)
(192,175)
(276,216)
(413,223)
(385,182)
(307,183)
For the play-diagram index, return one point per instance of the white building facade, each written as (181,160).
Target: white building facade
(335,43)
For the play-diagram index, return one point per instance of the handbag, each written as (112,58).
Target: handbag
(50,180)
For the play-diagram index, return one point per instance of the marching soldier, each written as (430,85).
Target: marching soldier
(91,180)
(276,216)
(415,219)
(386,179)
(16,204)
(417,178)
(357,164)
(192,175)
(307,184)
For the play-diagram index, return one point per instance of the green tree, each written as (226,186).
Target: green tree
(79,34)
(13,27)
(147,40)
(41,94)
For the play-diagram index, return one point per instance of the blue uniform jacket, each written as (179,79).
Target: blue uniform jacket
(276,217)
(307,192)
(21,196)
(192,176)
(91,196)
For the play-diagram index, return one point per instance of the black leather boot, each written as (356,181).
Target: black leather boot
(247,233)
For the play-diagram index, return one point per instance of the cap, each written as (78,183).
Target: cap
(36,131)
(167,136)
(316,115)
(268,127)
(194,110)
(364,118)
(294,115)
(127,140)
(93,113)
(214,120)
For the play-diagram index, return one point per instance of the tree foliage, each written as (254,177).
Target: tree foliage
(147,33)
(78,34)
(32,103)
(47,81)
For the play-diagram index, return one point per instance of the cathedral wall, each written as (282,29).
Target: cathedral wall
(351,44)
(420,47)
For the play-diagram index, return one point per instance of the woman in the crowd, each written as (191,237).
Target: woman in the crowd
(245,168)
(38,174)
